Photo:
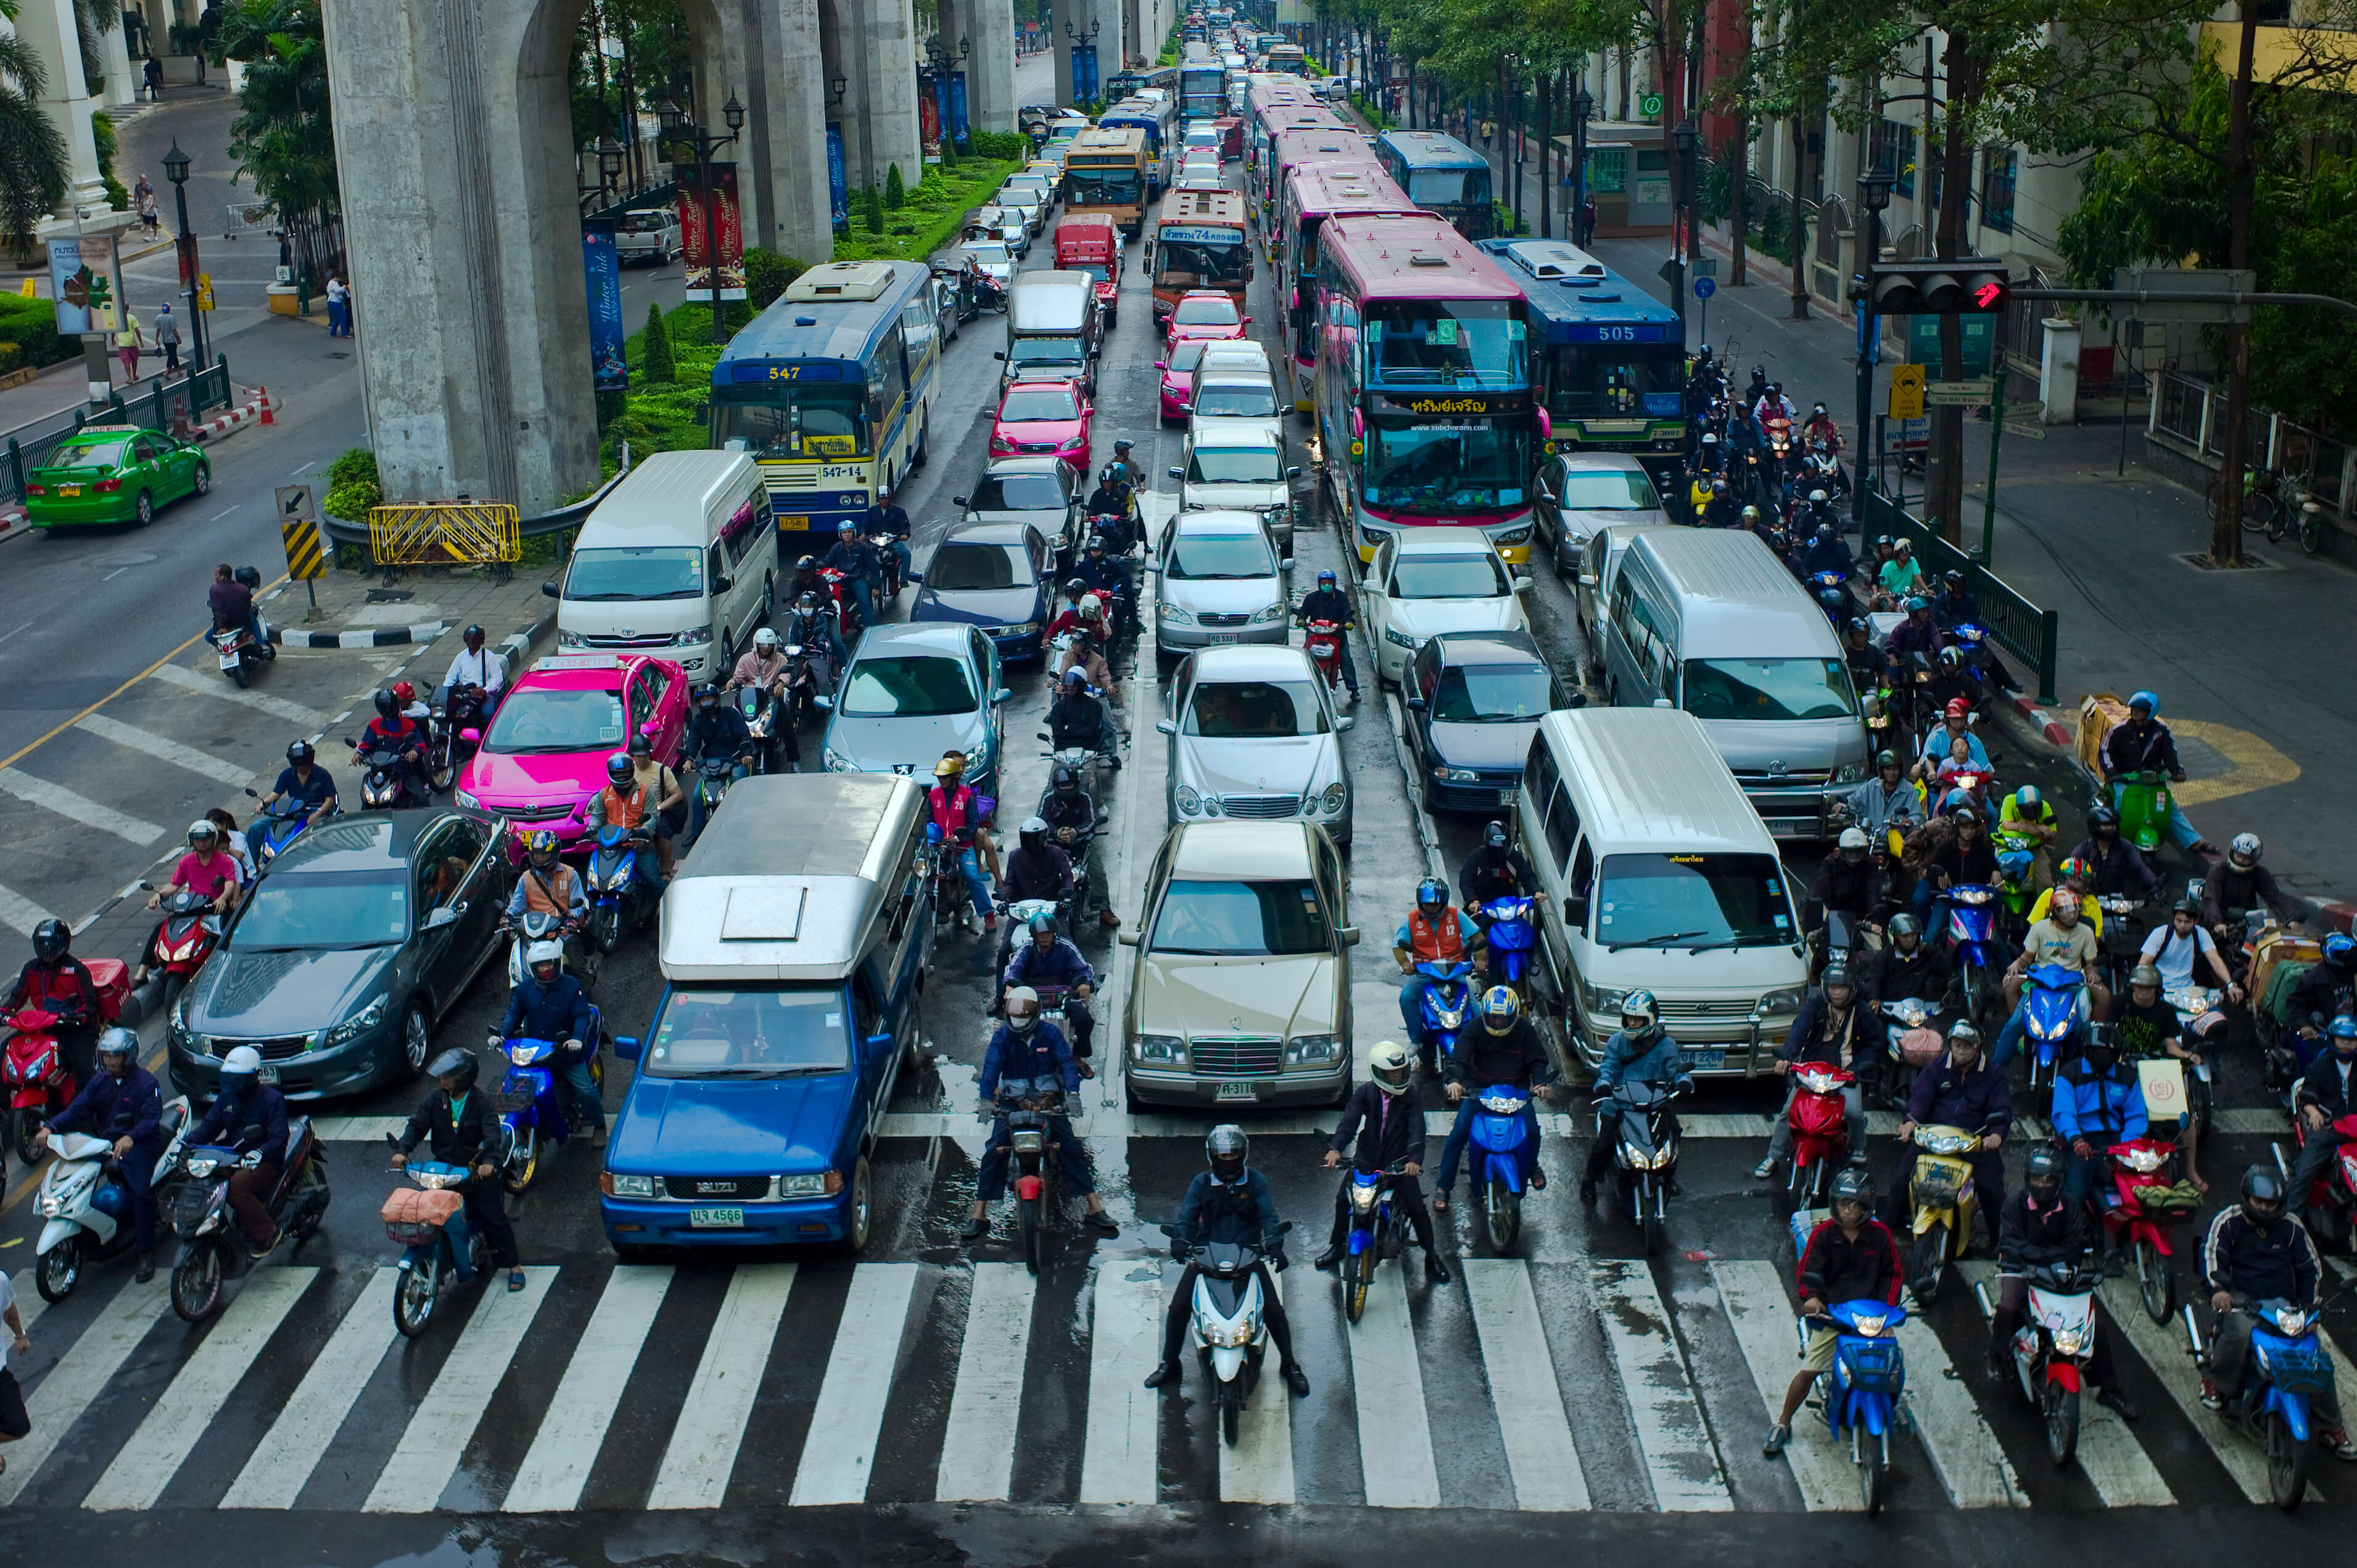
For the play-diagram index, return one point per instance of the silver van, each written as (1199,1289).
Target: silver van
(1708,621)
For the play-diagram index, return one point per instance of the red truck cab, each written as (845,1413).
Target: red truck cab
(1087,242)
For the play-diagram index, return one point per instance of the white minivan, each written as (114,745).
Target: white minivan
(1659,876)
(681,556)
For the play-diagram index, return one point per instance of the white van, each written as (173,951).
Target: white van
(1659,876)
(681,556)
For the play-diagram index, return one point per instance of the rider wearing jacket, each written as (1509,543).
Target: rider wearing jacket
(1496,870)
(1330,603)
(1433,933)
(1640,1052)
(459,1125)
(1229,1203)
(1028,1058)
(1386,1124)
(1043,958)
(2118,867)
(248,1115)
(2254,1253)
(551,1006)
(393,730)
(1831,1029)
(1504,1051)
(2098,1101)
(1066,807)
(125,1105)
(2036,1227)
(1962,1088)
(59,984)
(1851,1257)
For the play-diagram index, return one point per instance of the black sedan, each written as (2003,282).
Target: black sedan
(1474,699)
(336,967)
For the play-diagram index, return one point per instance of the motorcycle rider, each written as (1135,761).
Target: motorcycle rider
(717,730)
(2098,1101)
(1827,549)
(765,668)
(962,816)
(1868,667)
(2149,1028)
(1919,633)
(2039,1226)
(1496,870)
(1049,958)
(2240,885)
(1078,650)
(2026,813)
(1434,932)
(1108,508)
(1079,610)
(1848,882)
(1774,404)
(808,580)
(393,730)
(2255,1252)
(1027,1049)
(2324,1094)
(231,604)
(861,567)
(887,529)
(461,1127)
(303,781)
(2061,938)
(1906,966)
(2328,991)
(1328,602)
(1850,1257)
(662,786)
(1640,1051)
(1505,1050)
(1885,801)
(1229,1202)
(2115,866)
(1126,469)
(628,801)
(1036,869)
(1719,508)
(1963,859)
(551,1006)
(1900,579)
(1820,427)
(2180,947)
(813,630)
(1386,1123)
(546,884)
(1067,809)
(1962,1088)
(1830,1028)
(475,667)
(59,984)
(122,1103)
(1078,718)
(1106,578)
(248,1115)
(208,870)
(2141,743)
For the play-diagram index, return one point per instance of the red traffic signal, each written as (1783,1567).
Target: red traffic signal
(1967,286)
(1988,294)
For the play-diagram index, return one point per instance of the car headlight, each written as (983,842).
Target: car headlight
(810,1184)
(1189,803)
(1027,629)
(1602,999)
(1306,1048)
(1455,775)
(1168,1049)
(359,1023)
(466,802)
(1399,639)
(622,1185)
(835,762)
(1788,1000)
(571,640)
(978,758)
(1267,614)
(1335,797)
(1173,614)
(1850,773)
(1515,536)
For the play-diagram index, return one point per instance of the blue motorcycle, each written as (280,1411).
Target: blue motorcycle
(2285,1373)
(284,822)
(1861,1393)
(1447,1007)
(534,1096)
(433,1236)
(2049,999)
(1378,1231)
(1831,590)
(1513,937)
(1499,1133)
(1973,947)
(619,896)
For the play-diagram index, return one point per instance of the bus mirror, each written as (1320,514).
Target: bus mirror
(1546,425)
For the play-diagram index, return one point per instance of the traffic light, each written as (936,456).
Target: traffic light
(1969,285)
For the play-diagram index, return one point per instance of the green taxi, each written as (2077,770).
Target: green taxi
(113,473)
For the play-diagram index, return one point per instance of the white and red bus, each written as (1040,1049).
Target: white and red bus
(1313,193)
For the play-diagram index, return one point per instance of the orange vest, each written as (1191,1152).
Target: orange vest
(629,809)
(1435,944)
(553,900)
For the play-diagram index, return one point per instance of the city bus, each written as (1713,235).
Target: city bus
(1202,85)
(1286,58)
(1159,121)
(1608,359)
(1423,401)
(1105,171)
(1199,242)
(1312,194)
(1306,149)
(1443,174)
(1277,121)
(831,389)
(1129,83)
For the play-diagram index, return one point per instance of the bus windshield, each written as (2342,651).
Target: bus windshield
(1437,466)
(1449,187)
(1590,381)
(1435,342)
(1202,263)
(808,419)
(1100,185)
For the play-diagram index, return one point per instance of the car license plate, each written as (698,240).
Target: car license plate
(1239,1091)
(68,490)
(800,520)
(716,1219)
(1705,1061)
(1507,797)
(1222,639)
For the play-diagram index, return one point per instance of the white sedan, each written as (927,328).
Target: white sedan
(1426,581)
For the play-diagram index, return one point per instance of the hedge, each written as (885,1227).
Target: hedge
(32,326)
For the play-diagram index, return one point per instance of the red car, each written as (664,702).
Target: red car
(1178,374)
(1231,137)
(1043,419)
(1206,314)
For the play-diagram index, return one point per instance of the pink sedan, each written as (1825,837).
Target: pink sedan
(1178,374)
(545,753)
(1043,419)
(1206,314)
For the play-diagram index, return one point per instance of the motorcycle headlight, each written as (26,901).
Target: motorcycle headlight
(1399,639)
(202,1167)
(1869,1326)
(837,763)
(1173,614)
(48,1204)
(1189,803)
(2293,1324)
(1267,614)
(1303,1049)
(2069,1342)
(629,1186)
(1167,1049)
(359,1023)
(466,802)
(1334,798)
(1362,1195)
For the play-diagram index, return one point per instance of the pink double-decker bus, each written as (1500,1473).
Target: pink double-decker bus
(1313,193)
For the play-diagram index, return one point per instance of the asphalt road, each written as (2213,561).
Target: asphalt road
(932,1402)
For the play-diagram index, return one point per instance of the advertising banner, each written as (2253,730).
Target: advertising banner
(838,178)
(86,281)
(930,114)
(727,228)
(958,126)
(601,269)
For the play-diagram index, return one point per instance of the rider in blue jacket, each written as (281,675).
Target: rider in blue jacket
(551,1006)
(1028,1058)
(123,1103)
(1640,1051)
(2098,1101)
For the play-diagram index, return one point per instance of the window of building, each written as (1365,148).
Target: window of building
(1996,189)
(1894,153)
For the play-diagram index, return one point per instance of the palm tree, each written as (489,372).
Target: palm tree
(34,161)
(283,137)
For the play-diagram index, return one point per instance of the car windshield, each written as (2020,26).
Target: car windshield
(1045,351)
(907,686)
(1210,310)
(1254,710)
(1039,402)
(1214,556)
(97,455)
(1240,399)
(1237,919)
(750,1034)
(1018,492)
(1234,466)
(1492,694)
(540,720)
(990,252)
(970,566)
(1185,355)
(1449,578)
(1608,490)
(636,572)
(289,912)
(1692,900)
(1776,688)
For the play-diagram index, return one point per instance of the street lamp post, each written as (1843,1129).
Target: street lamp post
(1873,196)
(1685,136)
(1583,104)
(676,124)
(175,169)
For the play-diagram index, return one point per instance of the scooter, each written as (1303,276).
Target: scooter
(1942,1195)
(1378,1231)
(1029,1107)
(1820,1121)
(427,1222)
(1497,1132)
(1973,947)
(2137,1214)
(2052,1349)
(1831,590)
(241,652)
(846,607)
(212,1250)
(713,775)
(945,885)
(458,727)
(1861,1392)
(1907,1035)
(1322,640)
(760,710)
(1645,1157)
(2286,1371)
(2016,893)
(1229,1326)
(1448,1003)
(40,1086)
(189,932)
(2331,1207)
(1513,938)
(534,1113)
(618,897)
(1093,768)
(85,1204)
(2052,996)
(284,820)
(385,782)
(2145,809)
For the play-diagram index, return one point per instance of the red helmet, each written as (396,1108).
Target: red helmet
(1957,707)
(407,693)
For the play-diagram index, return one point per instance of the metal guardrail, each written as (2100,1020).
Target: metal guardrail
(29,446)
(2018,627)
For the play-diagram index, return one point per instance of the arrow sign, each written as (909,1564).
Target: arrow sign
(295,502)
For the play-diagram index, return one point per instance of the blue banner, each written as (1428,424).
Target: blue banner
(838,178)
(956,120)
(602,268)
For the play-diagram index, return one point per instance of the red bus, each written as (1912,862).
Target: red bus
(1313,193)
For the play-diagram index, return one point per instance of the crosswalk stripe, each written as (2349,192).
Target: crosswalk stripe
(144,1466)
(1258,1469)
(1119,1457)
(2253,1120)
(565,1446)
(1523,1387)
(1680,1459)
(1969,1460)
(282,1462)
(2108,1456)
(76,808)
(20,914)
(712,1418)
(1762,1317)
(29,1302)
(427,1454)
(841,1449)
(357,1129)
(80,1377)
(262,702)
(188,758)
(977,1459)
(1395,1436)
(2164,1351)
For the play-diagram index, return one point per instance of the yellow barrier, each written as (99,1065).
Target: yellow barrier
(437,534)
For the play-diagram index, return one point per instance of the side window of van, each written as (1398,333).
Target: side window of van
(1539,773)
(1562,824)
(716,565)
(1582,878)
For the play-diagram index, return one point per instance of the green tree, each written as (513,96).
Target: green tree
(661,366)
(895,195)
(283,137)
(34,159)
(872,200)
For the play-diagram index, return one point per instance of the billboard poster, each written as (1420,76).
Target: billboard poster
(728,226)
(602,268)
(838,178)
(928,115)
(86,281)
(958,126)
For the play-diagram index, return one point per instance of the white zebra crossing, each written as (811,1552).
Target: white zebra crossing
(712,1419)
(849,1416)
(1680,1460)
(1522,1389)
(977,1462)
(575,1427)
(80,1377)
(1761,1314)
(283,1462)
(1395,1438)
(1119,1463)
(1258,1469)
(427,1454)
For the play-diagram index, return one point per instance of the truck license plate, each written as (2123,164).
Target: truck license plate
(1246,1091)
(716,1219)
(800,520)
(1705,1061)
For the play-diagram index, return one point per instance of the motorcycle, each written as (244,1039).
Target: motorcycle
(1229,1326)
(85,1204)
(1497,1132)
(189,932)
(2051,997)
(1645,1157)
(2145,809)
(760,710)
(1831,590)
(2286,1370)
(1446,1007)
(239,651)
(1378,1231)
(1513,938)
(543,926)
(39,1086)
(2331,1207)
(533,1105)
(1322,640)
(212,1250)
(1910,1038)
(2016,893)
(1028,1107)
(457,733)
(1093,767)
(2136,1214)
(2198,1019)
(838,594)
(714,775)
(1940,1194)
(945,885)
(1973,947)
(2052,1348)
(1861,1392)
(619,896)
(386,784)
(1820,1121)
(427,1222)
(284,820)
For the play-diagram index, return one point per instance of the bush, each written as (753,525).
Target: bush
(767,273)
(356,465)
(949,152)
(352,485)
(871,206)
(661,366)
(1001,144)
(32,326)
(895,193)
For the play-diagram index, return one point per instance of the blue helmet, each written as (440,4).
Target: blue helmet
(2339,950)
(2343,1028)
(2147,701)
(1431,890)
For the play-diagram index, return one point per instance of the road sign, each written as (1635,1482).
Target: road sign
(1705,287)
(1649,104)
(1705,266)
(305,559)
(1905,392)
(294,501)
(204,291)
(1957,394)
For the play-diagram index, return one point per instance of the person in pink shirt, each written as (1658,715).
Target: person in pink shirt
(207,869)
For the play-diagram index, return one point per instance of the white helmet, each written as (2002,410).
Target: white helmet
(544,951)
(765,639)
(1091,604)
(1387,1065)
(203,828)
(1852,838)
(243,1059)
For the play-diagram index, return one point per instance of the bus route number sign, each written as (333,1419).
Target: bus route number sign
(1640,333)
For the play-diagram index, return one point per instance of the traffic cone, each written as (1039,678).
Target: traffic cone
(267,416)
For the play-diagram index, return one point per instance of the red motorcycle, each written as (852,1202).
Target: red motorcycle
(1820,1121)
(847,606)
(38,1084)
(185,940)
(2137,1213)
(2332,1196)
(1322,640)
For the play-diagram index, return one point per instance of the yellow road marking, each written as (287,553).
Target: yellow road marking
(2252,763)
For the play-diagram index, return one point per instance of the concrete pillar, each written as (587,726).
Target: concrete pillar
(2058,373)
(717,45)
(48,28)
(887,36)
(122,80)
(990,66)
(785,101)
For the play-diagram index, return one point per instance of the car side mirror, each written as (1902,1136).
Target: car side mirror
(1577,699)
(652,728)
(626,1047)
(1000,356)
(957,501)
(1575,910)
(1168,726)
(879,1043)
(1247,319)
(1126,938)
(1001,695)
(721,585)
(1345,722)
(438,919)
(1161,364)
(1416,705)
(1175,473)
(1294,472)
(551,590)
(1350,936)
(1522,584)
(1664,702)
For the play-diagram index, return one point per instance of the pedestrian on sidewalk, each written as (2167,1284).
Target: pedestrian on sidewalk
(126,347)
(339,306)
(149,218)
(154,80)
(15,1422)
(168,339)
(1588,221)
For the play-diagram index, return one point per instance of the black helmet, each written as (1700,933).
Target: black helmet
(1123,445)
(1854,1185)
(618,771)
(2099,818)
(707,691)
(1096,544)
(1494,835)
(1225,1149)
(1836,974)
(642,746)
(2102,1047)
(806,563)
(806,601)
(1905,925)
(2261,1185)
(1063,779)
(457,1062)
(1075,587)
(388,706)
(52,940)
(300,752)
(2043,1173)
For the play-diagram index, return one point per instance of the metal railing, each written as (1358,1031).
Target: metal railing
(561,519)
(2190,414)
(2018,627)
(156,407)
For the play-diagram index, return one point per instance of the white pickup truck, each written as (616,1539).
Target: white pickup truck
(649,236)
